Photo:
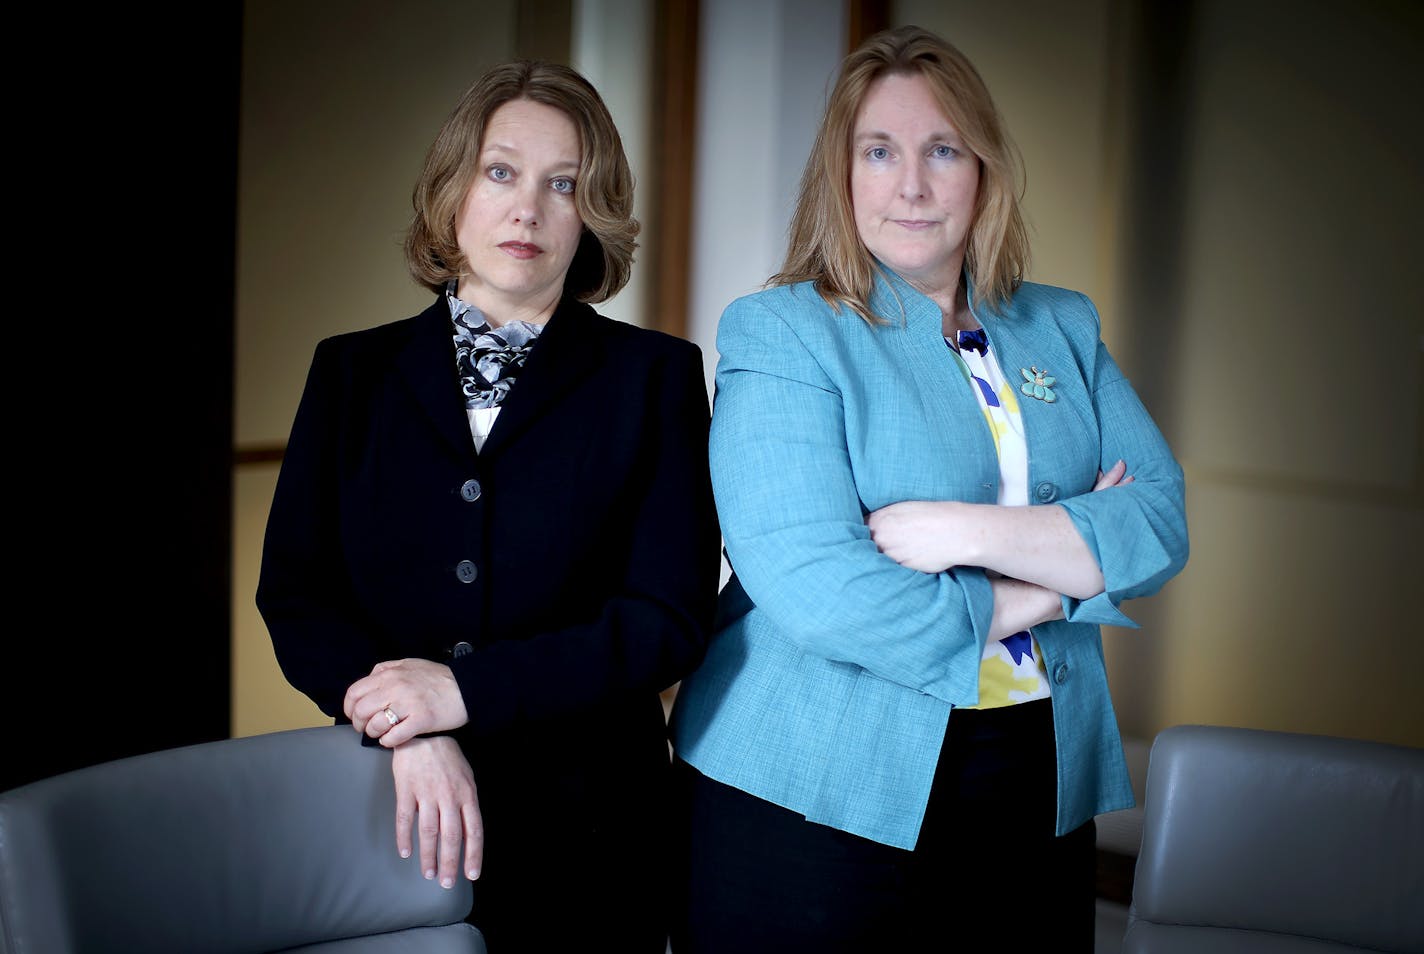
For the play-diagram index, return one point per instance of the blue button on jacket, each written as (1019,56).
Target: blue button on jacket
(829,683)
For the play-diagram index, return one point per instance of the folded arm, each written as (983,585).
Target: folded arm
(1095,549)
(1034,544)
(795,530)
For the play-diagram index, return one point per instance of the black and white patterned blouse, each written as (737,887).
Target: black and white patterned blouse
(487,361)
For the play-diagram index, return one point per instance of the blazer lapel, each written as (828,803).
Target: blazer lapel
(427,364)
(569,350)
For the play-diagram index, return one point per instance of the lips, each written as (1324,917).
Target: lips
(915,225)
(522,250)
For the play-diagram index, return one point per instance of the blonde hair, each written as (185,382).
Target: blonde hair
(603,195)
(825,246)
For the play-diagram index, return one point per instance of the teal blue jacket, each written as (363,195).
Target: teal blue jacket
(829,683)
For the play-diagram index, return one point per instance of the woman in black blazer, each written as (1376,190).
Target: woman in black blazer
(493,541)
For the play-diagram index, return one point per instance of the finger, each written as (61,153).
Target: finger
(405,815)
(451,834)
(1111,477)
(428,825)
(405,729)
(382,721)
(348,702)
(362,702)
(474,838)
(1127,480)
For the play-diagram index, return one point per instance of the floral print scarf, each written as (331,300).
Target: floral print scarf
(487,359)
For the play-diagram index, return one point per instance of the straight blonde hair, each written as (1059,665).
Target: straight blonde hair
(825,246)
(603,194)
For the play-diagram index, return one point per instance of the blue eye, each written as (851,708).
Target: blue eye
(500,173)
(877,154)
(563,185)
(944,152)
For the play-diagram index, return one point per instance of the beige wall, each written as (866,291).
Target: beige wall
(1283,351)
(1294,387)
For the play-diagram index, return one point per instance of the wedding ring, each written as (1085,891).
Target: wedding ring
(391,717)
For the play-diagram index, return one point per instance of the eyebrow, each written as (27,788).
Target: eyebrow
(501,147)
(933,137)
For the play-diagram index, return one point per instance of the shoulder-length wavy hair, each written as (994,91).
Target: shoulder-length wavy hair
(825,246)
(603,194)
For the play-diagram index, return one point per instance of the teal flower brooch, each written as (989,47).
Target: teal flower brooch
(1038,384)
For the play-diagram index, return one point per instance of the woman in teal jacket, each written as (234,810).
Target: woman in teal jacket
(934,485)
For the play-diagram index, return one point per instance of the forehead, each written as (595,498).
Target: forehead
(901,104)
(522,125)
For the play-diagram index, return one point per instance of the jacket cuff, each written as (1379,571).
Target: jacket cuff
(1099,609)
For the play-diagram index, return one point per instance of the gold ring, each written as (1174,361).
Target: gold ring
(391,717)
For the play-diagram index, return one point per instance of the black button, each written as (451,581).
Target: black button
(1046,491)
(1060,673)
(462,648)
(470,490)
(466,572)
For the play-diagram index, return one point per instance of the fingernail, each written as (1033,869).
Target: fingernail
(447,882)
(473,874)
(405,852)
(430,874)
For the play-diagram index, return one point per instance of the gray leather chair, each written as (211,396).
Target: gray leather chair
(1275,842)
(278,842)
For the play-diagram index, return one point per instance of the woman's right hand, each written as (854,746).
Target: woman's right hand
(434,784)
(1116,476)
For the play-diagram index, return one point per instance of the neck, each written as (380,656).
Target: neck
(951,297)
(501,310)
(955,311)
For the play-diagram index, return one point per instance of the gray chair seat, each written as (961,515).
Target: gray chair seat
(1279,843)
(277,842)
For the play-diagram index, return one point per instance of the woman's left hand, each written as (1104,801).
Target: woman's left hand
(436,792)
(404,698)
(918,534)
(1036,544)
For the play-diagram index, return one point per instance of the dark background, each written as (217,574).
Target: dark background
(120,385)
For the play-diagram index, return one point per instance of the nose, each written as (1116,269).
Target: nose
(912,181)
(528,206)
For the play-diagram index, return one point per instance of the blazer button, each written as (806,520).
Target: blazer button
(1060,673)
(462,648)
(470,490)
(1046,491)
(466,572)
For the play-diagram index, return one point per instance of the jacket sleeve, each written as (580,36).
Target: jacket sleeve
(321,638)
(1137,532)
(654,628)
(795,528)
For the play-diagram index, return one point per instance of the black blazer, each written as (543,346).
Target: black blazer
(577,555)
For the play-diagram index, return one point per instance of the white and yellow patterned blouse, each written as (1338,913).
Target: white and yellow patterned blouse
(1012,670)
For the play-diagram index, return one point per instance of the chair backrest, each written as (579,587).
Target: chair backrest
(264,843)
(1271,841)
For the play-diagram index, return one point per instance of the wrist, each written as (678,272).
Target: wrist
(959,530)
